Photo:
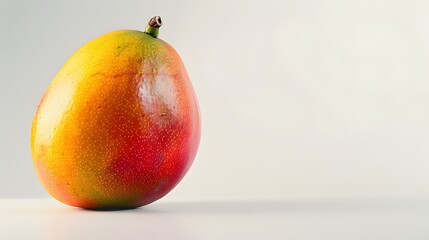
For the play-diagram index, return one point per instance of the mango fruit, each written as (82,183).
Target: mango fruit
(119,125)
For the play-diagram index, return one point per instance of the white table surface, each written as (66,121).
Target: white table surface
(234,219)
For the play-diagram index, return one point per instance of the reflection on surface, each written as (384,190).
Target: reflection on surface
(73,223)
(314,219)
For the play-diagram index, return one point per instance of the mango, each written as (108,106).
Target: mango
(119,125)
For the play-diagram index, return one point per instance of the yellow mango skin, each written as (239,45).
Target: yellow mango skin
(119,125)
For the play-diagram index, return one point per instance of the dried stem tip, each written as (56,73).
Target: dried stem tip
(155,22)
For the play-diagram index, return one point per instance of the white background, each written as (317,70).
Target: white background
(299,98)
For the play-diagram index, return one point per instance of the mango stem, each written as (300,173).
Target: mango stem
(153,26)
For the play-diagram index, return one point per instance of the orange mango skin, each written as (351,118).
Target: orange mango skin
(119,125)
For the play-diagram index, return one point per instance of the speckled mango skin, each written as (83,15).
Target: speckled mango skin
(119,125)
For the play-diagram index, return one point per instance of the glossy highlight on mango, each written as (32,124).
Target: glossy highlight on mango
(119,125)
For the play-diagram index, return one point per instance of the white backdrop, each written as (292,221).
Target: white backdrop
(299,98)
